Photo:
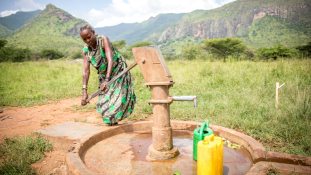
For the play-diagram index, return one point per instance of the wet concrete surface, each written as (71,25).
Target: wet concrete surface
(126,154)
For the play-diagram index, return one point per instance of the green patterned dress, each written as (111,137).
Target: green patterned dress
(118,101)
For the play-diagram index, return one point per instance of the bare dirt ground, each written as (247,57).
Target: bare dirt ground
(24,121)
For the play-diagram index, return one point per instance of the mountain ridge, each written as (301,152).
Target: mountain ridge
(52,28)
(15,21)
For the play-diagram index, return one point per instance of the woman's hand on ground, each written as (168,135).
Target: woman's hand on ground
(83,100)
(103,86)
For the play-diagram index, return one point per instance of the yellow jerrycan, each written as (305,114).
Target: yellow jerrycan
(210,156)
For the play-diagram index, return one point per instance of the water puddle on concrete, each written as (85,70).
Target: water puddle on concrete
(126,154)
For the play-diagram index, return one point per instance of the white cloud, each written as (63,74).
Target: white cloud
(227,2)
(28,5)
(8,12)
(129,11)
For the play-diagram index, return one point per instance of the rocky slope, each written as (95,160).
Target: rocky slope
(236,19)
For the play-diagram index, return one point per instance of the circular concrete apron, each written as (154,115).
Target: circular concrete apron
(126,154)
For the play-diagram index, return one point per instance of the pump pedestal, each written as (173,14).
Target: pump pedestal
(158,78)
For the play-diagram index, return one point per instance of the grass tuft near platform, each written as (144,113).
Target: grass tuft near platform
(18,153)
(237,95)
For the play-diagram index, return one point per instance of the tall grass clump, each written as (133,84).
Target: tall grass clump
(29,83)
(18,153)
(241,96)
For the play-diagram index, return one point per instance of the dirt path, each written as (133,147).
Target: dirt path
(25,120)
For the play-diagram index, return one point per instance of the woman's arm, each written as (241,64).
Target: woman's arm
(86,74)
(109,56)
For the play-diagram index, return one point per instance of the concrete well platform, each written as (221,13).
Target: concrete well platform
(121,149)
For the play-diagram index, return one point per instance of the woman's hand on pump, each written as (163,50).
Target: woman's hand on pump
(103,86)
(84,97)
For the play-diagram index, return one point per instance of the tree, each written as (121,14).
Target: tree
(139,44)
(275,52)
(119,44)
(305,49)
(191,51)
(3,43)
(51,54)
(14,54)
(224,46)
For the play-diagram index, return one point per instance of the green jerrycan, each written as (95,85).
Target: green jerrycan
(199,134)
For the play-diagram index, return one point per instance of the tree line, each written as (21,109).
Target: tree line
(15,54)
(222,48)
(219,48)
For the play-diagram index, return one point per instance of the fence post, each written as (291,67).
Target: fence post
(277,95)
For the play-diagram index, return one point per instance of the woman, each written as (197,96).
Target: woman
(117,102)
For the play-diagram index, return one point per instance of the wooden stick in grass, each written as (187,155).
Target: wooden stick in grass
(277,94)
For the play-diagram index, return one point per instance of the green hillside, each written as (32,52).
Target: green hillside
(149,30)
(113,31)
(273,30)
(51,28)
(18,19)
(261,23)
(4,31)
(14,22)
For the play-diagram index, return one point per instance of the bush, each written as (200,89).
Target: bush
(3,43)
(139,44)
(127,55)
(51,54)
(191,51)
(14,54)
(305,50)
(77,55)
(118,45)
(224,47)
(274,52)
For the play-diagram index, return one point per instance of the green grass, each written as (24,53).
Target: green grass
(237,95)
(18,153)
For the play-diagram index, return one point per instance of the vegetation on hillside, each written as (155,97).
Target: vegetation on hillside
(4,31)
(52,28)
(261,23)
(272,30)
(17,20)
(149,30)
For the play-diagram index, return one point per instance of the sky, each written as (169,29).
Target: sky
(101,13)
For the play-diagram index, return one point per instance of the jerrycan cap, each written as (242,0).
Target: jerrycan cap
(208,139)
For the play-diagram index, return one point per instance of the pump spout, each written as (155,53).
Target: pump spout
(186,98)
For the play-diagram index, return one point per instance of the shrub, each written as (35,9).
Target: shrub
(274,52)
(118,45)
(139,44)
(224,47)
(14,54)
(51,54)
(305,49)
(77,55)
(3,43)
(191,51)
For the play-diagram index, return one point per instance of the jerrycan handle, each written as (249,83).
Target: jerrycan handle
(202,128)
